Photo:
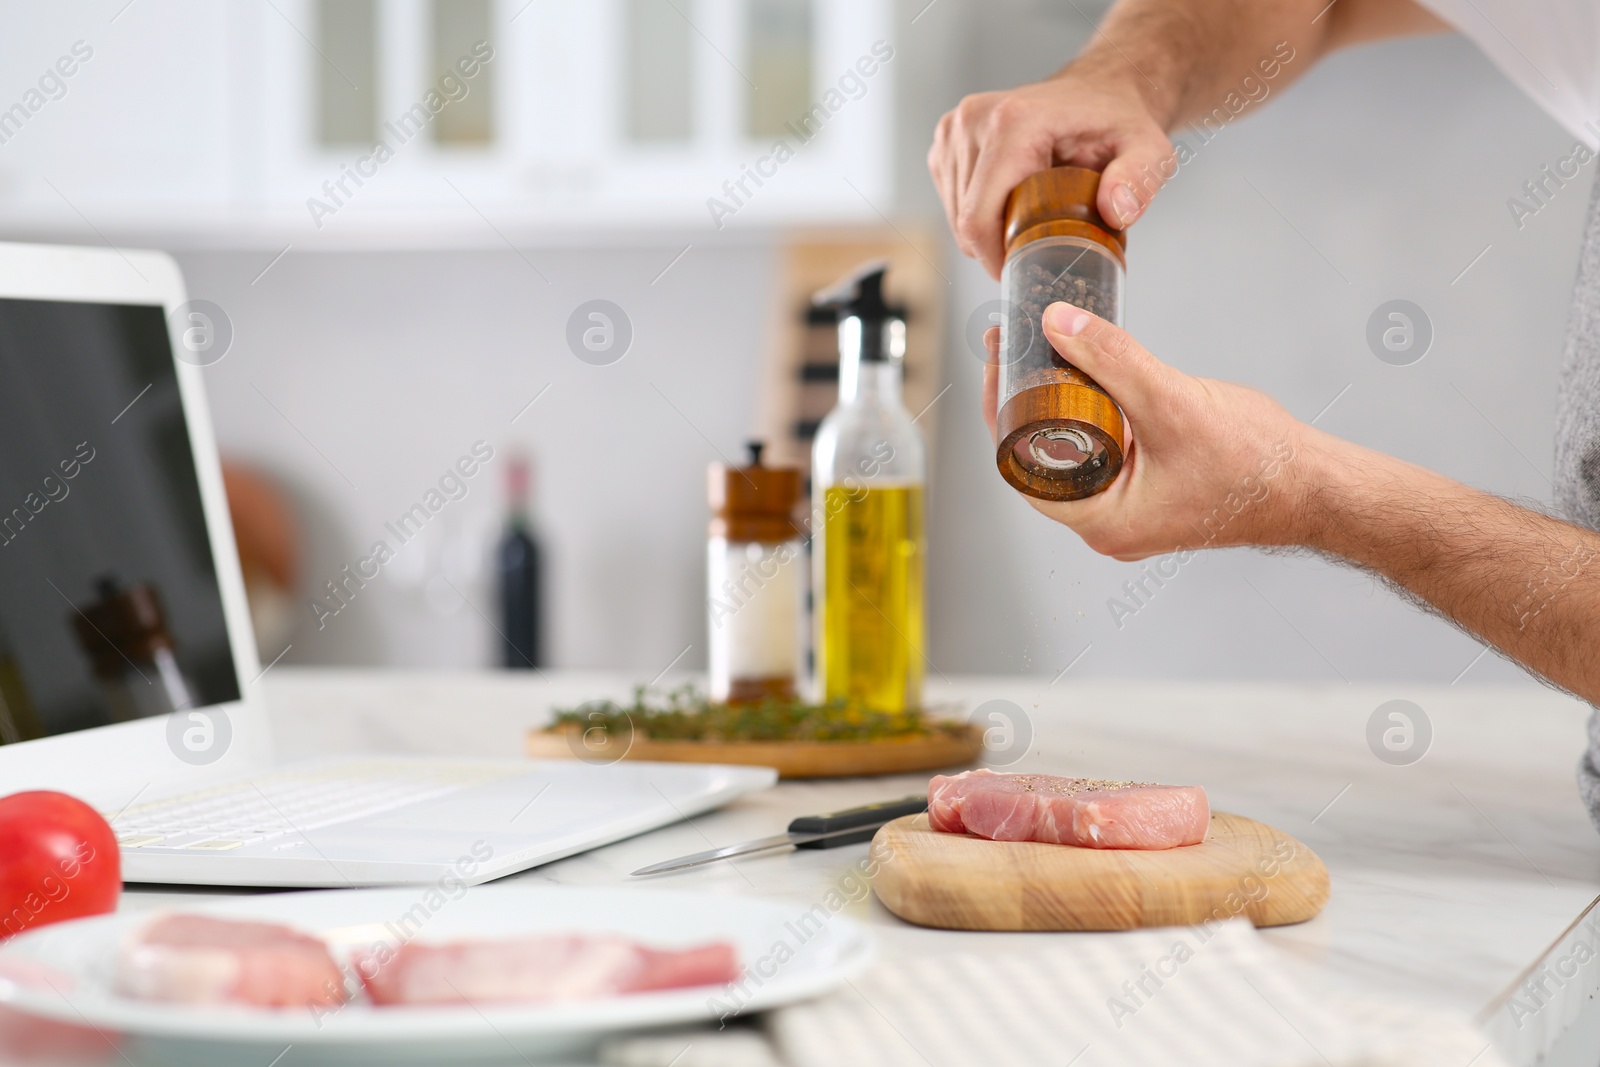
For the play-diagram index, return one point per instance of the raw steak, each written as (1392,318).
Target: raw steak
(1090,812)
(197,959)
(533,969)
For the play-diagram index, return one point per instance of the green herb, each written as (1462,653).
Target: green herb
(683,714)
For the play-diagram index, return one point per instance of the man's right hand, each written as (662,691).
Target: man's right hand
(1206,464)
(991,141)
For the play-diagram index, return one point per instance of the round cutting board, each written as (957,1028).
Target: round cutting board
(961,882)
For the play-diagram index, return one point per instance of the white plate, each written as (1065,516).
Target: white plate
(789,952)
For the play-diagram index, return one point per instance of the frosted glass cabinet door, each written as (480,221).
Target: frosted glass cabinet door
(347,78)
(458,26)
(779,45)
(659,69)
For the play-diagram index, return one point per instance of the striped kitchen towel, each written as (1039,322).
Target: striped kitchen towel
(1196,996)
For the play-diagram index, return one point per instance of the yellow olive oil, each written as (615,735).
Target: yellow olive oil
(870,637)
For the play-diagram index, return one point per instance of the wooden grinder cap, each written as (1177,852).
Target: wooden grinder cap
(1060,202)
(753,503)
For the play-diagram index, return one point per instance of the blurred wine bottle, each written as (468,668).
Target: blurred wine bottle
(518,563)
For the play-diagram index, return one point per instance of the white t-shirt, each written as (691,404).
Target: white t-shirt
(1550,49)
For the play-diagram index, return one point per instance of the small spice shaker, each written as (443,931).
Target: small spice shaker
(754,571)
(1060,434)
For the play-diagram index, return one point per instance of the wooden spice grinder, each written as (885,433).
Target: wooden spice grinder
(1059,433)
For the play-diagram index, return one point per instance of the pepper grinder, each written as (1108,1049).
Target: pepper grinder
(1060,434)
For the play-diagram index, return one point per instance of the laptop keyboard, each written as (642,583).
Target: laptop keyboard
(291,802)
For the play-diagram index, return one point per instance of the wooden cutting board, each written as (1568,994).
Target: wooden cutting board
(961,882)
(793,759)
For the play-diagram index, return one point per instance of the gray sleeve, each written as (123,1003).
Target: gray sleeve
(1577,459)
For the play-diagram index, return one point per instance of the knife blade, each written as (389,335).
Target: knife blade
(828,830)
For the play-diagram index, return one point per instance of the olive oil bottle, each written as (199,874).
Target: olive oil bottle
(868,471)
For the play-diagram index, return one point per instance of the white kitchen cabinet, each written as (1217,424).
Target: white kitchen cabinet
(141,127)
(202,120)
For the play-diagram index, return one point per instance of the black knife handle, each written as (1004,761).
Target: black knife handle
(869,817)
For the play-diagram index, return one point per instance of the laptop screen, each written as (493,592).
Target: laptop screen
(109,604)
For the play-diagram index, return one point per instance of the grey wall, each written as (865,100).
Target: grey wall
(357,378)
(384,368)
(1394,163)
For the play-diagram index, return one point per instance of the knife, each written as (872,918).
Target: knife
(828,830)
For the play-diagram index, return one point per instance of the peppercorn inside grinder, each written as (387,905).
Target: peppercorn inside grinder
(1060,434)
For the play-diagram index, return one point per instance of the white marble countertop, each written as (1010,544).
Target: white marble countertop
(1459,880)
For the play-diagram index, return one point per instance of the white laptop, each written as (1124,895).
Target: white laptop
(111,509)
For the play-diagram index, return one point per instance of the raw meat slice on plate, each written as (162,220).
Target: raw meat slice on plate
(534,969)
(198,959)
(1089,812)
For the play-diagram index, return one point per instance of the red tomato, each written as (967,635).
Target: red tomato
(58,860)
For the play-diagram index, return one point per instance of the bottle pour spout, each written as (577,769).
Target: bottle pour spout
(871,330)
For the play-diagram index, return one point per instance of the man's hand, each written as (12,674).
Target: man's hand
(991,141)
(1205,464)
(1208,464)
(1151,66)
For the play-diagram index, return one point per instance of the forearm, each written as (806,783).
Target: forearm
(1184,57)
(1522,581)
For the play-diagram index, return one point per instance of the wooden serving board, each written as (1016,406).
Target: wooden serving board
(793,759)
(961,882)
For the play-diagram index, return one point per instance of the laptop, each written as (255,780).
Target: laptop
(128,670)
